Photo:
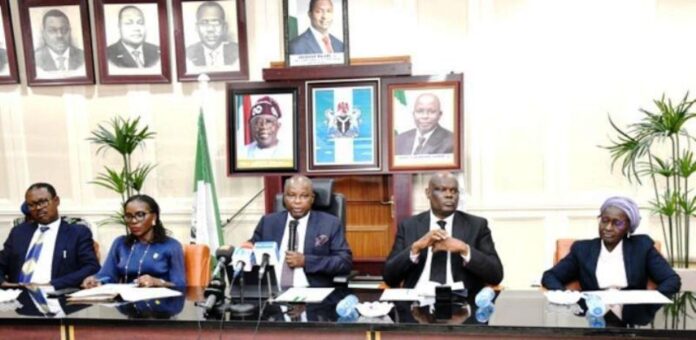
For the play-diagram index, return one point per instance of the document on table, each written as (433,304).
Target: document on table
(128,292)
(399,294)
(304,295)
(8,295)
(628,297)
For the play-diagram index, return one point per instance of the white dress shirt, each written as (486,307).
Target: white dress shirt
(213,57)
(66,58)
(611,272)
(319,38)
(141,57)
(44,266)
(299,276)
(418,136)
(424,279)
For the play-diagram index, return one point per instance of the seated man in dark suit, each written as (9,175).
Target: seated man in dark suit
(47,250)
(212,50)
(443,245)
(322,251)
(316,39)
(57,52)
(132,51)
(428,137)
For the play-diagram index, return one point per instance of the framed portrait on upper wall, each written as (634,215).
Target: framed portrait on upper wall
(57,42)
(133,41)
(8,56)
(424,122)
(211,38)
(262,120)
(316,32)
(343,126)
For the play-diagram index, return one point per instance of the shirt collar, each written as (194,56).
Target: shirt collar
(130,49)
(301,220)
(434,219)
(52,225)
(426,135)
(55,55)
(618,249)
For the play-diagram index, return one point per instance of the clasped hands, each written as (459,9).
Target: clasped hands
(440,241)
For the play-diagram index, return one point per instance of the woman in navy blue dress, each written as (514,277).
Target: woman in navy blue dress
(146,255)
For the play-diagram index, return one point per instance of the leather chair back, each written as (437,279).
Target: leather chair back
(563,248)
(197,264)
(324,200)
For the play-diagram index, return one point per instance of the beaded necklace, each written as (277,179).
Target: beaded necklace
(140,263)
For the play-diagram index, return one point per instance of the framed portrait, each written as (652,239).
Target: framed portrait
(316,32)
(262,120)
(343,126)
(211,38)
(132,41)
(424,117)
(8,56)
(57,42)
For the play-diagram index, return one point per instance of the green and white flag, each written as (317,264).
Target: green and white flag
(205,222)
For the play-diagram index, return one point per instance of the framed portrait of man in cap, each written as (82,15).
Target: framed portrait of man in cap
(262,127)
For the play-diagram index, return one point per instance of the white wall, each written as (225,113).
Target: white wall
(541,76)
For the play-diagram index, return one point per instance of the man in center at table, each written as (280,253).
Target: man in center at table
(322,251)
(443,245)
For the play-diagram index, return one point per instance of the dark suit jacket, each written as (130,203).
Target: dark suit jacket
(119,55)
(306,44)
(43,60)
(484,268)
(323,259)
(195,53)
(441,141)
(73,241)
(641,260)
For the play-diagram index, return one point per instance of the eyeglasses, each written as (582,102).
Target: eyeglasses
(137,217)
(616,222)
(39,204)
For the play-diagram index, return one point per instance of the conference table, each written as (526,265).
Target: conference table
(517,314)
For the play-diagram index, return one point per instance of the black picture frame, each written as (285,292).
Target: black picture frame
(43,68)
(402,97)
(8,55)
(301,46)
(343,126)
(245,100)
(232,54)
(117,64)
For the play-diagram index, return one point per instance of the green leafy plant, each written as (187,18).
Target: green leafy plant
(658,148)
(124,136)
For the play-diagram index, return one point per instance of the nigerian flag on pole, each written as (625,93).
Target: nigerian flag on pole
(205,224)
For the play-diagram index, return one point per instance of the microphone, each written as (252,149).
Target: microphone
(268,253)
(241,260)
(214,294)
(224,257)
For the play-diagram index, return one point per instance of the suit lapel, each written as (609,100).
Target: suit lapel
(279,230)
(462,233)
(627,251)
(423,228)
(61,240)
(310,233)
(595,248)
(23,245)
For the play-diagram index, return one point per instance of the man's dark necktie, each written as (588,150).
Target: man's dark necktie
(438,265)
(287,274)
(419,148)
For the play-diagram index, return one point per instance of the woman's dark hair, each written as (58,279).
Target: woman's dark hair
(160,234)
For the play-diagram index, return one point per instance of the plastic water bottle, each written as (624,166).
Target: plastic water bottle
(483,314)
(595,307)
(484,297)
(346,308)
(596,322)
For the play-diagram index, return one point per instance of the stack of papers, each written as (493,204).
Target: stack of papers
(304,295)
(127,292)
(628,297)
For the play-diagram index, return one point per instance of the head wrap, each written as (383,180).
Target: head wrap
(628,206)
(265,106)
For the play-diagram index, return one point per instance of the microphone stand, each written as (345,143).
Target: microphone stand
(241,308)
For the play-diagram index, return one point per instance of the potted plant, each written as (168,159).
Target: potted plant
(658,149)
(124,136)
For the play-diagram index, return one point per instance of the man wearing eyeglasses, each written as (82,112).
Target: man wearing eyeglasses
(213,49)
(57,52)
(47,250)
(428,138)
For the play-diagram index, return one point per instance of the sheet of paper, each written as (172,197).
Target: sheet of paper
(308,295)
(128,292)
(399,294)
(627,297)
(7,295)
(132,294)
